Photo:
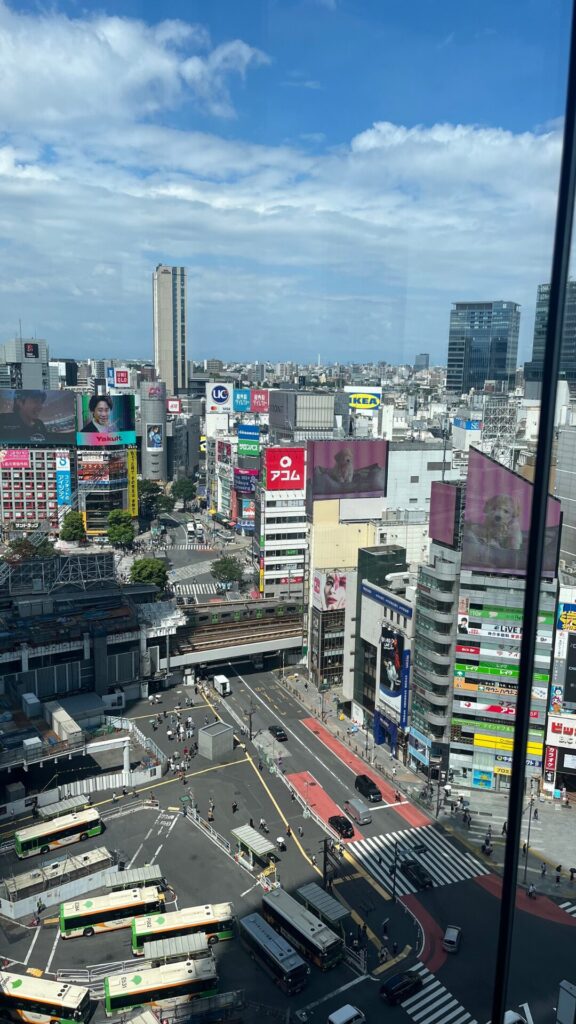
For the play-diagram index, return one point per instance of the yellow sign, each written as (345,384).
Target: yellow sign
(505,743)
(363,400)
(502,771)
(132,482)
(261,581)
(461,683)
(202,443)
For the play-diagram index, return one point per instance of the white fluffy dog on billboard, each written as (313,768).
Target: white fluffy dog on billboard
(501,525)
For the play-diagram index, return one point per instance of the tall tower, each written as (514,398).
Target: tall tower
(169,311)
(482,345)
(534,369)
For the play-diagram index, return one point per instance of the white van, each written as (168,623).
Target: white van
(347,1015)
(358,811)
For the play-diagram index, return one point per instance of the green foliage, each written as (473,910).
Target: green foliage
(165,503)
(149,570)
(23,550)
(184,490)
(120,528)
(73,527)
(227,569)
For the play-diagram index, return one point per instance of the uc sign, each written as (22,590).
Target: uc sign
(220,394)
(363,400)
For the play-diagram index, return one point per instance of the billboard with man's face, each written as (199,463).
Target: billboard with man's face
(36,417)
(105,420)
(497,520)
(346,468)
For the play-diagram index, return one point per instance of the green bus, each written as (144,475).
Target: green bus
(216,920)
(37,1000)
(93,914)
(50,835)
(160,987)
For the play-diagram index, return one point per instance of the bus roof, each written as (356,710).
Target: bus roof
(74,865)
(149,874)
(194,916)
(132,899)
(282,951)
(311,926)
(26,986)
(183,946)
(138,981)
(66,821)
(68,806)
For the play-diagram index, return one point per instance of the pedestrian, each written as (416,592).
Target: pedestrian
(525,849)
(558,870)
(301,833)
(394,948)
(234,807)
(114,797)
(364,933)
(532,891)
(543,870)
(185,752)
(572,873)
(385,929)
(205,719)
(251,822)
(535,815)
(262,824)
(306,687)
(260,766)
(288,831)
(154,725)
(394,772)
(210,815)
(313,858)
(169,734)
(505,828)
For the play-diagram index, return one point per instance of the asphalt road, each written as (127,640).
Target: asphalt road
(200,872)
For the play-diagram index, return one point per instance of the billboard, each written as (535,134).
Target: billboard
(224,452)
(245,480)
(218,398)
(570,677)
(122,377)
(154,437)
(157,389)
(15,458)
(174,405)
(110,376)
(93,470)
(241,400)
(391,651)
(566,617)
(329,590)
(132,460)
(36,417)
(249,441)
(443,504)
(31,350)
(363,399)
(63,479)
(248,508)
(337,469)
(105,420)
(497,520)
(285,469)
(259,400)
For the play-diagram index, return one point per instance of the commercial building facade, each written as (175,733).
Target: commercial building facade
(482,345)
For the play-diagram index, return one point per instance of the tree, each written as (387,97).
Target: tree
(184,490)
(165,503)
(149,570)
(120,528)
(149,493)
(23,550)
(227,569)
(73,527)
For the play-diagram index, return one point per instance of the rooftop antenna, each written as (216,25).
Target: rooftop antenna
(20,328)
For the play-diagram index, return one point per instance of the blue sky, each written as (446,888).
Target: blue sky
(332,172)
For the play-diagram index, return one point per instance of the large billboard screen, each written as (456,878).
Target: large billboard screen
(329,590)
(285,469)
(36,417)
(497,520)
(442,526)
(391,651)
(14,458)
(248,441)
(338,469)
(218,398)
(245,480)
(259,400)
(105,420)
(241,400)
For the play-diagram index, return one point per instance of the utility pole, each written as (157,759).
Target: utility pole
(248,713)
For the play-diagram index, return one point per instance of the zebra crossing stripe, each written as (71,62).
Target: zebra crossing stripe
(569,907)
(445,863)
(434,1003)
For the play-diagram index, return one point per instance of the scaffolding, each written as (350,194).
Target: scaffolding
(499,428)
(43,575)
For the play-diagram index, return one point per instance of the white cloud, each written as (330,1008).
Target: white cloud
(355,250)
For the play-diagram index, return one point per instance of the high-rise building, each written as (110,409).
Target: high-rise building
(533,369)
(422,361)
(169,310)
(482,345)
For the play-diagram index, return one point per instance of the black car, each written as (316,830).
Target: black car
(365,785)
(278,733)
(417,874)
(342,826)
(400,987)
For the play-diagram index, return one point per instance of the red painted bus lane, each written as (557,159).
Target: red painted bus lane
(317,798)
(412,815)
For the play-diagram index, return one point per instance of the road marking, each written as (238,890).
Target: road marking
(32,944)
(50,920)
(157,852)
(251,889)
(335,992)
(51,957)
(130,863)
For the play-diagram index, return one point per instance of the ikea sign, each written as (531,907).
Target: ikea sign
(363,400)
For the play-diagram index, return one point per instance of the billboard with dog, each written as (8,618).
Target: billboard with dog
(346,469)
(497,520)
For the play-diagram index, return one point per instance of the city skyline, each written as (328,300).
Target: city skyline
(310,214)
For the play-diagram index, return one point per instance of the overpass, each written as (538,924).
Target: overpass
(213,643)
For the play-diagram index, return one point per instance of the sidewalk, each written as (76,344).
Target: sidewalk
(552,833)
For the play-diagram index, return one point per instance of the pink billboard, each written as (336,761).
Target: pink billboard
(347,469)
(443,501)
(497,520)
(14,458)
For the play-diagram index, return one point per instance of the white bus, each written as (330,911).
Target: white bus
(160,987)
(36,1000)
(50,835)
(107,913)
(216,920)
(310,936)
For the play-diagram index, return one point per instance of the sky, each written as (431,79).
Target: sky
(333,173)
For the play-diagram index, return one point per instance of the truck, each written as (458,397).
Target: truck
(222,685)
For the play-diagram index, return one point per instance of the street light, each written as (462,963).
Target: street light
(529,809)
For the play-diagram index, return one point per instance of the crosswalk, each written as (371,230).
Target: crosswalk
(191,547)
(429,847)
(569,907)
(187,572)
(196,589)
(434,1002)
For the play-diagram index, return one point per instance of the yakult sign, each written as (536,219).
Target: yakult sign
(285,469)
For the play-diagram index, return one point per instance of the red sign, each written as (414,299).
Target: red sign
(285,470)
(121,378)
(259,400)
(291,579)
(550,759)
(174,405)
